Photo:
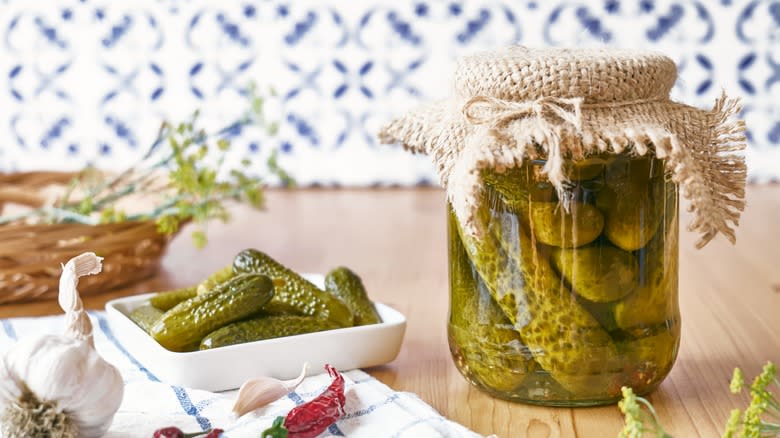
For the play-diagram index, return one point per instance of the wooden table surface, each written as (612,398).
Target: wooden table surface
(729,298)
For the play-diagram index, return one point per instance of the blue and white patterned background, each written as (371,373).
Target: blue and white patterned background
(88,81)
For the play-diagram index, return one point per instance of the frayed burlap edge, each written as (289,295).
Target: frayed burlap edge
(700,148)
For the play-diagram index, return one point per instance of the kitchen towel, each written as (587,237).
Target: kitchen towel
(373,410)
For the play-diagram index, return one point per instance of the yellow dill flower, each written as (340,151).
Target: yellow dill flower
(635,416)
(732,426)
(737,382)
(634,426)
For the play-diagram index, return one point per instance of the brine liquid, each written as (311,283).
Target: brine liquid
(563,303)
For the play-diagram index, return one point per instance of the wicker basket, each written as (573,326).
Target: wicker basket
(30,255)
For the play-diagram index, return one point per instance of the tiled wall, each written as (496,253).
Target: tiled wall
(90,81)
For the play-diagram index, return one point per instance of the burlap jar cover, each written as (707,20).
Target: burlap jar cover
(553,104)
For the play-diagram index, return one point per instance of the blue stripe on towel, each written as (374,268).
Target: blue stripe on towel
(292,395)
(371,408)
(333,429)
(201,405)
(181,394)
(189,408)
(9,329)
(103,324)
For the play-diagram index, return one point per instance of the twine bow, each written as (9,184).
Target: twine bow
(550,112)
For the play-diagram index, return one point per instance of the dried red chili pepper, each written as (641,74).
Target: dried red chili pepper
(168,432)
(312,418)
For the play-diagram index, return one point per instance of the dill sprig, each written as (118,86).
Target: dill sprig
(760,419)
(184,171)
(637,419)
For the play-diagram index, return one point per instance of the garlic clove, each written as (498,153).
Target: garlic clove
(258,392)
(87,263)
(77,323)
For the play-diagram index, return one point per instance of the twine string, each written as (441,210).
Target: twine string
(548,110)
(499,114)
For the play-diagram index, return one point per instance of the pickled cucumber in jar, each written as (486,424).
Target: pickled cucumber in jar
(568,342)
(655,300)
(569,226)
(484,342)
(649,355)
(519,186)
(586,168)
(599,273)
(633,191)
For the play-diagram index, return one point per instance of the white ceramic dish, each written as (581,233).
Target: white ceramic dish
(228,367)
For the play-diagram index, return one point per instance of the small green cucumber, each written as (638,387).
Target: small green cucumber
(168,299)
(216,278)
(191,320)
(266,327)
(292,290)
(146,316)
(347,286)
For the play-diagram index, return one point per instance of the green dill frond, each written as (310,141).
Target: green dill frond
(196,188)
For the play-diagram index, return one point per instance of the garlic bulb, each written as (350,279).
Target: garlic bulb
(59,386)
(258,392)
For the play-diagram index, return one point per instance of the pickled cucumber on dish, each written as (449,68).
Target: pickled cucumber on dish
(485,344)
(565,340)
(599,273)
(293,293)
(166,300)
(655,299)
(282,308)
(553,225)
(146,316)
(216,278)
(185,325)
(264,327)
(632,201)
(346,285)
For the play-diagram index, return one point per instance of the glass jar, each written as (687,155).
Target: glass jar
(564,301)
